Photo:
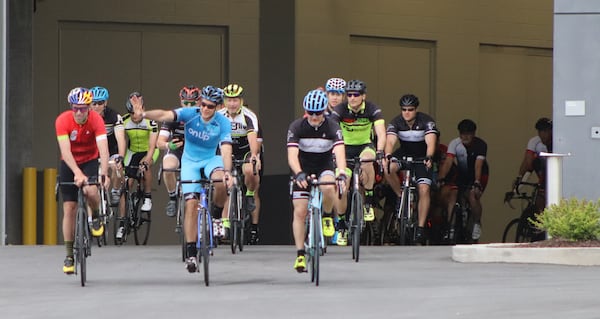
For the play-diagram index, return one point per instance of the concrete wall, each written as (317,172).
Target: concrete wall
(576,69)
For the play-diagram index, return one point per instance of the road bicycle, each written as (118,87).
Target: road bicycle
(460,229)
(520,229)
(136,219)
(105,215)
(205,239)
(180,209)
(82,243)
(357,225)
(239,216)
(314,244)
(400,226)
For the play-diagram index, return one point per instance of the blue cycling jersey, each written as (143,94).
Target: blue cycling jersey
(202,138)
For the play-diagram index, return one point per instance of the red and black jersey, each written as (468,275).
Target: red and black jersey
(83,137)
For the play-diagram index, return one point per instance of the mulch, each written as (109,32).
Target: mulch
(558,243)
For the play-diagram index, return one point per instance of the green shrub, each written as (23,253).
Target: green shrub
(571,219)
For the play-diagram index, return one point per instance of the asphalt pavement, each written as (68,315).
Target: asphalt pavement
(388,282)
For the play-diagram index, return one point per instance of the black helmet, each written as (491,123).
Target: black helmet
(409,100)
(356,85)
(128,103)
(467,126)
(543,124)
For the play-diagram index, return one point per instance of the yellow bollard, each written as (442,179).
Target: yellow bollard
(50,206)
(29,206)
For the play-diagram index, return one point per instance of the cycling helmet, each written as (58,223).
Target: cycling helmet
(467,126)
(233,90)
(543,124)
(409,100)
(335,85)
(128,105)
(356,85)
(80,95)
(99,93)
(315,101)
(212,94)
(189,93)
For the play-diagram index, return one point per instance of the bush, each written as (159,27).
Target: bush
(571,220)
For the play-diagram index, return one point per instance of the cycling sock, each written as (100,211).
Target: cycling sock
(369,196)
(172,195)
(301,252)
(95,214)
(327,214)
(147,195)
(69,247)
(253,226)
(249,193)
(191,249)
(218,212)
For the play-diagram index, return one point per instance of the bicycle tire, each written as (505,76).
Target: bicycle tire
(511,231)
(205,243)
(233,219)
(242,222)
(355,228)
(80,254)
(316,249)
(404,218)
(142,222)
(179,228)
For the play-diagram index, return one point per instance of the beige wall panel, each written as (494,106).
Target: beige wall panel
(515,90)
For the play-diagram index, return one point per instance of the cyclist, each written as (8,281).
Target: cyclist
(417,134)
(310,141)
(469,153)
(335,89)
(206,130)
(81,137)
(542,142)
(357,119)
(116,139)
(170,139)
(141,152)
(244,134)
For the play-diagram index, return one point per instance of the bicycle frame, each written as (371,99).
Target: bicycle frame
(316,242)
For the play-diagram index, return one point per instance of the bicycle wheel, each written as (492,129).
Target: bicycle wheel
(511,231)
(179,228)
(80,249)
(141,230)
(205,225)
(241,236)
(316,249)
(233,219)
(355,227)
(404,218)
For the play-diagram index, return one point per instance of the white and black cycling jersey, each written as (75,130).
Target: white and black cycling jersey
(412,138)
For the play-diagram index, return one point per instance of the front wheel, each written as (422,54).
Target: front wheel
(356,224)
(511,232)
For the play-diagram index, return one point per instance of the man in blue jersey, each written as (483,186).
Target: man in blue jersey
(205,131)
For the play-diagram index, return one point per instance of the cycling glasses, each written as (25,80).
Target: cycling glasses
(408,109)
(81,109)
(354,94)
(313,113)
(209,106)
(190,103)
(99,102)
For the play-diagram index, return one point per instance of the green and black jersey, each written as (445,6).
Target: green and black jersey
(357,126)
(138,134)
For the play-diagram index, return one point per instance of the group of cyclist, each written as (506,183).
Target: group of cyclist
(213,125)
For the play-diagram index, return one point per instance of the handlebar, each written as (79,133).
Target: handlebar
(406,161)
(312,180)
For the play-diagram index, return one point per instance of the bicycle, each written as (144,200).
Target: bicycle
(520,228)
(180,209)
(461,223)
(314,244)
(205,239)
(239,216)
(135,219)
(357,226)
(105,215)
(82,244)
(400,227)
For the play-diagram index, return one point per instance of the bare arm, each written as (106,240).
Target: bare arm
(156,115)
(381,135)
(293,160)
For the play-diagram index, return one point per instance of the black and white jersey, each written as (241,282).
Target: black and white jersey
(412,138)
(315,143)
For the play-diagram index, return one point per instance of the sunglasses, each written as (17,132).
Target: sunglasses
(98,102)
(209,106)
(408,109)
(354,94)
(313,113)
(81,109)
(190,103)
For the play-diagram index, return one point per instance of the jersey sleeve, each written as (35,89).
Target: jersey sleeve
(293,139)
(225,125)
(452,147)
(62,132)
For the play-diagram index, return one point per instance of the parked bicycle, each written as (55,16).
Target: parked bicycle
(400,227)
(520,229)
(82,244)
(239,216)
(136,220)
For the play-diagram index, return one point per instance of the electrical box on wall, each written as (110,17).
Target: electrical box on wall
(596,132)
